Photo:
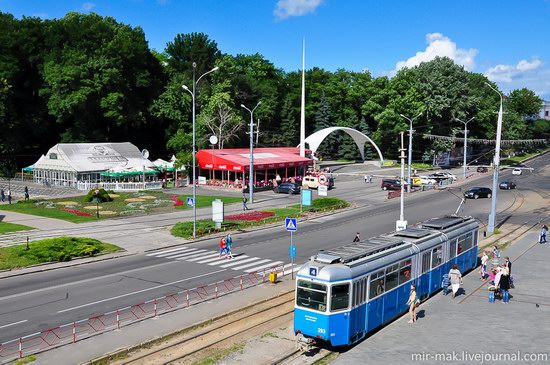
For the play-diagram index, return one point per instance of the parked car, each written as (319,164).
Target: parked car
(475,193)
(507,185)
(482,169)
(287,188)
(391,184)
(517,171)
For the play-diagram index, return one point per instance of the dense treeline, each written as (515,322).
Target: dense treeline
(88,78)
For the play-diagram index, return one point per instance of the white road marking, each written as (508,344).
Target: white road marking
(239,262)
(250,264)
(271,264)
(168,252)
(236,258)
(186,254)
(214,254)
(138,291)
(13,324)
(198,255)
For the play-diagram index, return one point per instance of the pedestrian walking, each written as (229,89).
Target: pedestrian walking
(3,195)
(245,207)
(413,302)
(9,196)
(483,270)
(228,246)
(26,193)
(496,252)
(543,233)
(357,238)
(223,247)
(456,279)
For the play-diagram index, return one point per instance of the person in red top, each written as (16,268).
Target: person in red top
(223,247)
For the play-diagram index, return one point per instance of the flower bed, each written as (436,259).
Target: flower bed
(77,212)
(250,216)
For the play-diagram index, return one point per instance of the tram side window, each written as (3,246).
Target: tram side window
(356,292)
(404,271)
(311,295)
(339,298)
(437,256)
(391,277)
(466,242)
(376,284)
(426,262)
(453,249)
(364,296)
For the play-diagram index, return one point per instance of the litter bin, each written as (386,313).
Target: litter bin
(273,277)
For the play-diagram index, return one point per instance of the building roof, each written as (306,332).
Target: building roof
(92,157)
(238,159)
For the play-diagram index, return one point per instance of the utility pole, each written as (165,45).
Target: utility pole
(410,148)
(257,132)
(465,143)
(251,168)
(401,224)
(496,165)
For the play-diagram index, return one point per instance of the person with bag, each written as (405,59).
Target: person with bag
(456,279)
(413,302)
(223,247)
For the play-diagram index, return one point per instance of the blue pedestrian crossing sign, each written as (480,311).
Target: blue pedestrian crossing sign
(190,202)
(291,225)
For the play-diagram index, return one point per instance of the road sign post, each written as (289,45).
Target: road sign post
(190,202)
(291,226)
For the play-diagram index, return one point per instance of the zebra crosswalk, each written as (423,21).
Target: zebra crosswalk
(243,262)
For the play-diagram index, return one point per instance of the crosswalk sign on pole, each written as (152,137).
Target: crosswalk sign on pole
(291,225)
(190,202)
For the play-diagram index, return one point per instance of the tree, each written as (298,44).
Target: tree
(525,103)
(190,48)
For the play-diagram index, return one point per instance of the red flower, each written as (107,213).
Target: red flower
(249,216)
(77,212)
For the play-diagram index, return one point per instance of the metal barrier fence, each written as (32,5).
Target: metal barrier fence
(85,328)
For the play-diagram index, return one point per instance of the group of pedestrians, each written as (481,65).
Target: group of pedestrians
(226,243)
(6,195)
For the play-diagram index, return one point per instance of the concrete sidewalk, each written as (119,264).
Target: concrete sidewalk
(469,329)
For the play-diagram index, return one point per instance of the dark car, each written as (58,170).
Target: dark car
(475,193)
(287,188)
(482,169)
(507,185)
(391,184)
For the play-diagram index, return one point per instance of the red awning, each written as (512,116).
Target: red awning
(237,159)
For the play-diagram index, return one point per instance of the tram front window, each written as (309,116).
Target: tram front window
(311,295)
(339,298)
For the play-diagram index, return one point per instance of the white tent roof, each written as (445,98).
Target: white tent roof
(88,157)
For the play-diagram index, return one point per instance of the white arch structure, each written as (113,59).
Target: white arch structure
(315,140)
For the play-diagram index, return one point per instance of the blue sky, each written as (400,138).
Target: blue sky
(507,40)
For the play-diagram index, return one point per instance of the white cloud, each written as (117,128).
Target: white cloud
(439,45)
(288,8)
(533,75)
(88,6)
(507,73)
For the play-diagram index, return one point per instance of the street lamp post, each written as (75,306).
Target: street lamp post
(410,149)
(496,165)
(193,149)
(251,172)
(465,142)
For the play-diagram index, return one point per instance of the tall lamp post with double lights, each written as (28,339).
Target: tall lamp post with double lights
(192,92)
(496,165)
(251,172)
(465,143)
(410,149)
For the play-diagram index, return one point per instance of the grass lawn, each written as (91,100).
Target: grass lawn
(77,210)
(52,250)
(206,226)
(206,200)
(6,227)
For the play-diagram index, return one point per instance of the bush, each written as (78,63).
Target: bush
(103,196)
(328,204)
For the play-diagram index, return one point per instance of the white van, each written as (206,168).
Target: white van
(312,182)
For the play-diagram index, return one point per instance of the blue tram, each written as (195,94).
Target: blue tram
(344,293)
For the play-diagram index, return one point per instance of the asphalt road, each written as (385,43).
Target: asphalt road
(35,302)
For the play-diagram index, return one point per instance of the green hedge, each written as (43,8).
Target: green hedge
(52,250)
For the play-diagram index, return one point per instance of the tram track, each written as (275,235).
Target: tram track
(237,326)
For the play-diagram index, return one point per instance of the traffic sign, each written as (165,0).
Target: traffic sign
(323,179)
(313,271)
(190,202)
(322,190)
(292,250)
(291,224)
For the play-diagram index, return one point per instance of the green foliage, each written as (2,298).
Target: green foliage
(328,204)
(101,196)
(52,250)
(12,227)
